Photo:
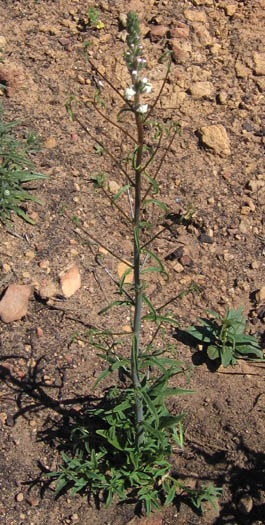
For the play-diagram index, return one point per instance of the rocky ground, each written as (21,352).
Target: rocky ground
(213,176)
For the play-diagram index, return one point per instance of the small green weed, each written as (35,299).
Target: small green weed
(16,169)
(225,338)
(92,16)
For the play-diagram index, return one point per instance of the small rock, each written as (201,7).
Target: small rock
(19,497)
(47,289)
(201,89)
(179,30)
(33,501)
(245,504)
(177,266)
(186,260)
(2,41)
(206,239)
(30,254)
(215,138)
(158,32)
(39,332)
(14,304)
(245,210)
(228,256)
(114,187)
(230,9)
(260,295)
(6,268)
(193,15)
(123,19)
(241,70)
(202,33)
(259,63)
(254,265)
(50,143)
(254,185)
(44,264)
(70,280)
(121,268)
(180,50)
(81,79)
(243,227)
(222,97)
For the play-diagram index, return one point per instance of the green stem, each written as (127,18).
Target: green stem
(137,280)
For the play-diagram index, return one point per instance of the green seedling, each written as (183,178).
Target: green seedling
(16,168)
(225,338)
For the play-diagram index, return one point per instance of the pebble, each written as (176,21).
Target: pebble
(195,16)
(44,264)
(158,32)
(114,187)
(259,63)
(6,268)
(201,89)
(179,30)
(254,185)
(47,289)
(123,19)
(19,497)
(70,280)
(50,143)
(39,332)
(177,266)
(2,41)
(230,9)
(205,238)
(202,33)
(215,138)
(260,295)
(14,304)
(245,504)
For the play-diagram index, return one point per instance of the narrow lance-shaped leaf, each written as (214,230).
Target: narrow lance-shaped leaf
(157,203)
(160,266)
(121,191)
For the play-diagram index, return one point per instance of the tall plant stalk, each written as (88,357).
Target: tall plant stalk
(135,64)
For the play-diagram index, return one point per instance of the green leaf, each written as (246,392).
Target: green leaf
(149,304)
(170,421)
(111,305)
(157,203)
(121,191)
(68,106)
(213,352)
(160,266)
(123,277)
(155,187)
(170,495)
(226,355)
(136,238)
(60,485)
(22,214)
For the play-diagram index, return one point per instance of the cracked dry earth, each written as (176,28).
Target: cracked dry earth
(214,175)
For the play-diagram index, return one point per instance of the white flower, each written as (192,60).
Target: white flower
(146,86)
(142,108)
(7,192)
(129,93)
(135,73)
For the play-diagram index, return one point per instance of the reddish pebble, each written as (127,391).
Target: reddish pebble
(39,331)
